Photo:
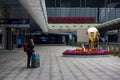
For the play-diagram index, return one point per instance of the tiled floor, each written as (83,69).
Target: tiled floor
(55,66)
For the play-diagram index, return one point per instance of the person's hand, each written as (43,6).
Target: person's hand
(32,43)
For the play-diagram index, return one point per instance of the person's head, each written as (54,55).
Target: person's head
(31,40)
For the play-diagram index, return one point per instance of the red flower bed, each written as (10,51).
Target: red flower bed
(86,52)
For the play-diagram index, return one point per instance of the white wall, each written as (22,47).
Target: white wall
(69,27)
(81,29)
(82,35)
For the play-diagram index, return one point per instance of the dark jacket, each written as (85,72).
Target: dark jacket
(30,48)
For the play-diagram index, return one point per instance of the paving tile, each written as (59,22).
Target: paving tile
(55,66)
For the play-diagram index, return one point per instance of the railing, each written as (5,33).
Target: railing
(110,46)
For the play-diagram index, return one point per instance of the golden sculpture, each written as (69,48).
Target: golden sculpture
(93,35)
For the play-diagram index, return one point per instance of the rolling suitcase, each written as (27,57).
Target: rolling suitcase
(35,61)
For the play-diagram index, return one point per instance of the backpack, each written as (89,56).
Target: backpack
(25,47)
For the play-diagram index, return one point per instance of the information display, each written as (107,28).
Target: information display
(14,21)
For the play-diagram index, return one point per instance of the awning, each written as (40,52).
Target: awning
(110,25)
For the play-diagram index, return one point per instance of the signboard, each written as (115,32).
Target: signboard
(14,21)
(71,19)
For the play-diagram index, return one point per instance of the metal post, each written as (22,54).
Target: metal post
(80,6)
(105,10)
(55,3)
(85,8)
(110,9)
(98,11)
(60,8)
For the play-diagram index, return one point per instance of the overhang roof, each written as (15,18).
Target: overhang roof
(110,25)
(37,10)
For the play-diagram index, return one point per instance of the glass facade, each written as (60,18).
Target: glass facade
(82,11)
(101,15)
(81,3)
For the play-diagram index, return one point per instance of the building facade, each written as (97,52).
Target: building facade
(82,11)
(78,15)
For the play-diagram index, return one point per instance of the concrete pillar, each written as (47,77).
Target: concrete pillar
(7,31)
(106,37)
(118,35)
(7,39)
(106,46)
(63,40)
(23,37)
(9,42)
(4,38)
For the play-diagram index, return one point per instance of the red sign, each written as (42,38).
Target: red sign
(71,19)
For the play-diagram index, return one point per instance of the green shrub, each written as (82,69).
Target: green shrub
(115,53)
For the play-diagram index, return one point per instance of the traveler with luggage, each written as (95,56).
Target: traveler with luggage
(33,60)
(30,52)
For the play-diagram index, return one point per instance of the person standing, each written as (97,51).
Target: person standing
(30,52)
